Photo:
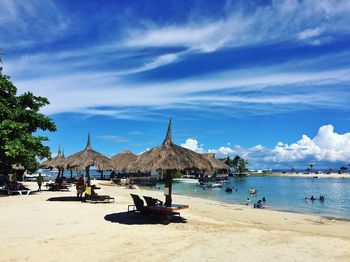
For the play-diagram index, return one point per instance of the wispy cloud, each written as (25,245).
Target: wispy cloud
(28,23)
(241,27)
(114,138)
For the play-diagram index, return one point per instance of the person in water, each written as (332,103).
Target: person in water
(263,199)
(312,198)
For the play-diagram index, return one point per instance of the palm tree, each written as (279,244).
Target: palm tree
(238,164)
(342,169)
(309,169)
(242,166)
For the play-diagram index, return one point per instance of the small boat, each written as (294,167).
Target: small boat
(216,185)
(186,180)
(252,191)
(210,185)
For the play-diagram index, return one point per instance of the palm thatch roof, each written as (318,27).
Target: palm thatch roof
(169,156)
(215,163)
(89,157)
(57,162)
(123,159)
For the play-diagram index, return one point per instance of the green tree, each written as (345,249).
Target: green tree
(242,166)
(19,120)
(238,164)
(342,169)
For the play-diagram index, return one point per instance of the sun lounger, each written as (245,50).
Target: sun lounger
(57,187)
(16,189)
(138,206)
(93,197)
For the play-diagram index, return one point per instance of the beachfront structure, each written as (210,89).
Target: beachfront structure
(215,163)
(169,158)
(122,160)
(89,157)
(57,162)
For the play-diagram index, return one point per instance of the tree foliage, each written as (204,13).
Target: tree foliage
(238,164)
(19,120)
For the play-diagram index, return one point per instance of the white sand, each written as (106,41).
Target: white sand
(34,229)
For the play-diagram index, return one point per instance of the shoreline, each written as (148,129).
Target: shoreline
(333,175)
(250,206)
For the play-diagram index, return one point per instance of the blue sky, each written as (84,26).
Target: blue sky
(269,80)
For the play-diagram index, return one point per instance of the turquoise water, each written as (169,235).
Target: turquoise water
(281,193)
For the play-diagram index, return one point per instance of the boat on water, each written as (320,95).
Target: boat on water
(252,191)
(210,185)
(186,180)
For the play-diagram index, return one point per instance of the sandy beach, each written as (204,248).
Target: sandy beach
(63,229)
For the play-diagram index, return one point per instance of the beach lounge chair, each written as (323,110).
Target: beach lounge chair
(93,197)
(150,201)
(138,206)
(57,186)
(16,187)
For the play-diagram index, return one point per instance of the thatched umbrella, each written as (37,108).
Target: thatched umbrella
(57,162)
(89,157)
(215,163)
(122,160)
(169,157)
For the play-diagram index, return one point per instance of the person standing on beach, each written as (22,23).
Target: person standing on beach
(40,181)
(80,185)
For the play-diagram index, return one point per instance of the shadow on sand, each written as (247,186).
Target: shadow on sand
(138,219)
(64,199)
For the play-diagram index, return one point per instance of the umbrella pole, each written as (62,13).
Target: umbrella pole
(168,184)
(71,174)
(87,169)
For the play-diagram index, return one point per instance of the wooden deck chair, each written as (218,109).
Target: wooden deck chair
(91,196)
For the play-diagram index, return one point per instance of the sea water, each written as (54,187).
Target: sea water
(281,193)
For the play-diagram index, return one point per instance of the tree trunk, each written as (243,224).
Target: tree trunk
(71,174)
(168,184)
(87,169)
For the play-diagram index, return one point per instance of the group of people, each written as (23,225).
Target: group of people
(312,198)
(260,203)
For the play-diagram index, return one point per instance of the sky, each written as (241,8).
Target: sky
(267,80)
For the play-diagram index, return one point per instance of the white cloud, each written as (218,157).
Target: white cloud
(114,138)
(276,22)
(193,145)
(326,149)
(65,93)
(29,22)
(325,146)
(223,150)
(309,33)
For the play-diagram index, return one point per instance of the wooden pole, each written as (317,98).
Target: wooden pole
(87,169)
(168,184)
